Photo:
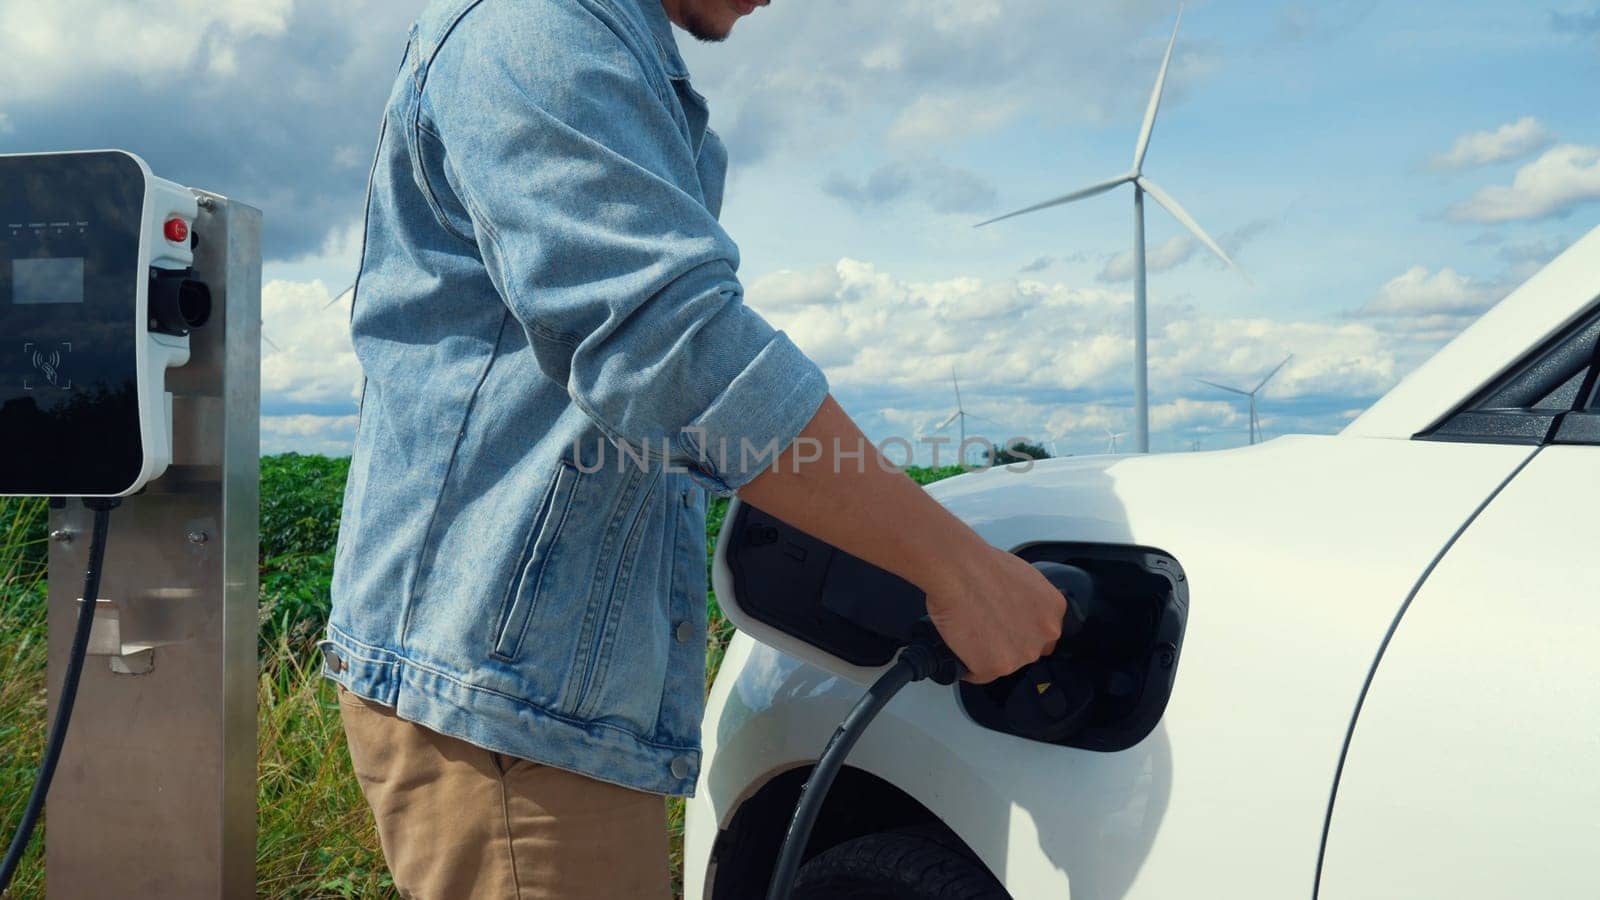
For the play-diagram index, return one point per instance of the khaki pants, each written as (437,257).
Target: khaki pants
(458,822)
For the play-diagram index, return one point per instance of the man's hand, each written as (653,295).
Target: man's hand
(997,615)
(996,612)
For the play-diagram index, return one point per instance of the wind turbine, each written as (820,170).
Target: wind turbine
(960,415)
(1054,437)
(1255,421)
(1141,186)
(1114,436)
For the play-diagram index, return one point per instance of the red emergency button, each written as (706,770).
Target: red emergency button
(177,230)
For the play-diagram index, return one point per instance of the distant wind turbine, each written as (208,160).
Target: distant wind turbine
(1255,421)
(960,415)
(1114,436)
(1141,186)
(1054,437)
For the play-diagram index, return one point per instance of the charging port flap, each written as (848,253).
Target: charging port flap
(1107,687)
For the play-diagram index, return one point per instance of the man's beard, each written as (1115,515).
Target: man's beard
(703,30)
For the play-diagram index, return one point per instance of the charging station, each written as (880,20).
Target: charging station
(130,376)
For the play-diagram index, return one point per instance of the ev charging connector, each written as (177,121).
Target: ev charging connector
(130,377)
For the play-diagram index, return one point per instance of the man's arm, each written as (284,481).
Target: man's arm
(994,610)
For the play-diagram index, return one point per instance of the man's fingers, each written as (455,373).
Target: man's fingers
(985,672)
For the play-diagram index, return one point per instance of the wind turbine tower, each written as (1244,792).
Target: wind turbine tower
(1141,186)
(1255,420)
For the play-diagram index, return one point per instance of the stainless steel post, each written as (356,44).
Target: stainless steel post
(155,794)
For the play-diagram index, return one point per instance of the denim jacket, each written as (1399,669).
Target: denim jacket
(557,362)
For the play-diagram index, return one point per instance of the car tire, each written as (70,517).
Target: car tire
(896,865)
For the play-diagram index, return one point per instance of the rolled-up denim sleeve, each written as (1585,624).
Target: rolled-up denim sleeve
(579,176)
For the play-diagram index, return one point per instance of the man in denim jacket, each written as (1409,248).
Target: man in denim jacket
(559,365)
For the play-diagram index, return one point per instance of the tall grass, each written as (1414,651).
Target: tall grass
(315,833)
(23,651)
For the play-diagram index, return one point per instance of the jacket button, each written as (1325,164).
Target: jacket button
(680,767)
(684,633)
(335,664)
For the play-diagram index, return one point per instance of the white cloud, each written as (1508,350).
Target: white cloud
(256,99)
(310,359)
(1480,148)
(304,433)
(1168,254)
(1185,412)
(933,118)
(1048,358)
(1416,292)
(44,46)
(811,77)
(943,188)
(1552,185)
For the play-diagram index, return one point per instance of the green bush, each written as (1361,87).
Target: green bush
(301,497)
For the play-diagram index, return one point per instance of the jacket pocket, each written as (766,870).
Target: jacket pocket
(627,619)
(522,594)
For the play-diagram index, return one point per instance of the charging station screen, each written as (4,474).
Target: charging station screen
(70,231)
(47,280)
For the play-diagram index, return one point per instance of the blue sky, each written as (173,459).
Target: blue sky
(1383,171)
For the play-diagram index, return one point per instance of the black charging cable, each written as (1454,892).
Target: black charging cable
(915,663)
(102,507)
(926,657)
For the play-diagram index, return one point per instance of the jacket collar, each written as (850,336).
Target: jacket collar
(666,40)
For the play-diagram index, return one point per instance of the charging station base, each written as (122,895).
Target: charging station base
(155,794)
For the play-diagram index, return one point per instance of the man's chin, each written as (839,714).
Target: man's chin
(703,29)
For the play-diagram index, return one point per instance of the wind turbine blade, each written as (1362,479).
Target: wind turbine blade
(339,296)
(1090,191)
(1273,372)
(1182,215)
(1149,126)
(959,408)
(946,424)
(1223,387)
(268,340)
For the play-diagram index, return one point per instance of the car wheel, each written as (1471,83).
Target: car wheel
(896,865)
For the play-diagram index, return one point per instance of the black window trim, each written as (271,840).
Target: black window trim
(1505,411)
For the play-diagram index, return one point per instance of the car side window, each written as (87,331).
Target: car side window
(1549,397)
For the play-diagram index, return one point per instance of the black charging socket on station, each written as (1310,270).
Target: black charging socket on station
(179,301)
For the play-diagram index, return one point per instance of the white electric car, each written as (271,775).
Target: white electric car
(1344,667)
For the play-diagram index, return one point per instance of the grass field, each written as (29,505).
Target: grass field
(316,838)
